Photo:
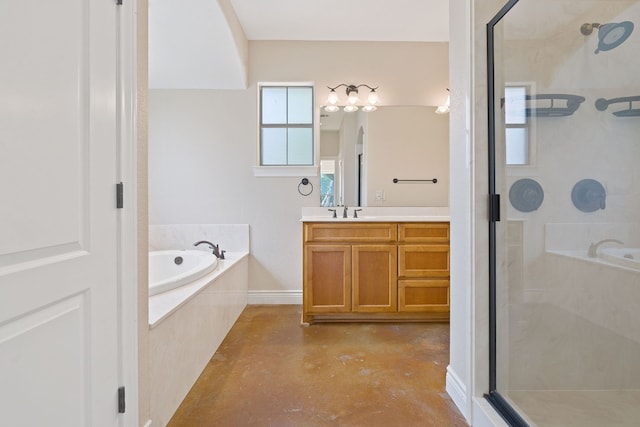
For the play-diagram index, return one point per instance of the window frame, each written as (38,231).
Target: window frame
(287,169)
(530,127)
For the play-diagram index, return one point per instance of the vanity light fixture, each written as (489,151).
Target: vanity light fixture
(352,98)
(444,109)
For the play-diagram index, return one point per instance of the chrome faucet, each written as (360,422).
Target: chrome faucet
(344,212)
(215,248)
(593,247)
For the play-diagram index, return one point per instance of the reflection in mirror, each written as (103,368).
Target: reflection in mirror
(361,153)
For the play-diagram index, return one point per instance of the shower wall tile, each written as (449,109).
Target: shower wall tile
(578,236)
(230,237)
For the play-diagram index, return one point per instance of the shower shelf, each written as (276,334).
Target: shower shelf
(552,105)
(602,104)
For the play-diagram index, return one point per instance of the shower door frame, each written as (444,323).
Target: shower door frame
(497,401)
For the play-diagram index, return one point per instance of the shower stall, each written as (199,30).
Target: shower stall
(564,173)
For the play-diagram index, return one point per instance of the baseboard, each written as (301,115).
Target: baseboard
(275,297)
(458,392)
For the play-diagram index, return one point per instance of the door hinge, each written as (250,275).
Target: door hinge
(121,400)
(494,207)
(119,195)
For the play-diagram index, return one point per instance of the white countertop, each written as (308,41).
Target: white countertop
(378,214)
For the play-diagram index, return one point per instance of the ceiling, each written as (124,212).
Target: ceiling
(354,20)
(202,44)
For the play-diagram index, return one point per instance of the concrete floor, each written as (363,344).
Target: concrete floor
(270,371)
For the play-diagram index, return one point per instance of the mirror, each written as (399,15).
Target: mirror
(362,153)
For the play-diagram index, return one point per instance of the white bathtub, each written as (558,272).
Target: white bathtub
(626,257)
(171,269)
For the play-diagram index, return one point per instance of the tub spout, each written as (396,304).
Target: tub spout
(215,248)
(593,247)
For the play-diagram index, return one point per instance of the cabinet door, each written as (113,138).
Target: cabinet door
(374,275)
(430,295)
(423,260)
(327,279)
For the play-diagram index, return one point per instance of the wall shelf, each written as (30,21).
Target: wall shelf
(552,105)
(602,104)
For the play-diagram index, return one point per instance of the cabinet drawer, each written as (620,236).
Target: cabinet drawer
(423,260)
(423,295)
(432,232)
(349,233)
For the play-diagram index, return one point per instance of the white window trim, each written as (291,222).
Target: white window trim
(531,167)
(286,170)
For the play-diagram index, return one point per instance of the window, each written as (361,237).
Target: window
(286,125)
(517,141)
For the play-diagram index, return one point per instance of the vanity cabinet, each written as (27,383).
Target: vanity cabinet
(423,268)
(349,268)
(375,271)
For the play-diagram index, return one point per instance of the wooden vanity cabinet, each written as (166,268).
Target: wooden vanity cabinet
(375,271)
(423,268)
(349,268)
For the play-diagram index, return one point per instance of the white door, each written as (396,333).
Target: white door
(58,236)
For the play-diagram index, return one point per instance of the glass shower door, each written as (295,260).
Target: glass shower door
(565,216)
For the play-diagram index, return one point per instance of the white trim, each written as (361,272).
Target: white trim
(147,424)
(457,391)
(127,217)
(275,297)
(285,170)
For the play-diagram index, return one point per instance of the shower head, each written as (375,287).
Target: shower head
(610,35)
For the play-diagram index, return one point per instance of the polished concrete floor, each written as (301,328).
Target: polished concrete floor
(270,371)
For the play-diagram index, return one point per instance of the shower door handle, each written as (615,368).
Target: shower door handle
(494,207)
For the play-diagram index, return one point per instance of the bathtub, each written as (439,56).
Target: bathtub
(173,268)
(626,257)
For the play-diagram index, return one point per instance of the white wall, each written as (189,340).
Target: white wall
(203,144)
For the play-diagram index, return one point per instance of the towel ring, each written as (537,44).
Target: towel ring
(305,181)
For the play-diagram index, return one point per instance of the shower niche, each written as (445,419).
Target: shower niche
(564,102)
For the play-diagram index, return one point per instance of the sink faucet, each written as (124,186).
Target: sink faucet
(215,248)
(344,212)
(593,247)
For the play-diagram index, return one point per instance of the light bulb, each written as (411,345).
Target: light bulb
(332,99)
(369,108)
(443,109)
(373,97)
(331,108)
(353,97)
(350,108)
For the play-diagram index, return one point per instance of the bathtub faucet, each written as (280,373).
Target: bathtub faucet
(593,247)
(215,248)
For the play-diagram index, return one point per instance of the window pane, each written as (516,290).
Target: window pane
(300,105)
(274,105)
(517,146)
(515,104)
(274,146)
(301,146)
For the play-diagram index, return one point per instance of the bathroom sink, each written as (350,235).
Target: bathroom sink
(339,219)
